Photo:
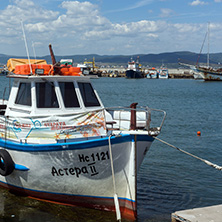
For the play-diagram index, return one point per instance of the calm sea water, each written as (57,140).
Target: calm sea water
(168,180)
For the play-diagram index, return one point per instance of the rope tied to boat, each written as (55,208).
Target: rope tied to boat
(190,154)
(116,201)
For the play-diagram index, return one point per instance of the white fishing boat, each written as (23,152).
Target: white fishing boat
(59,143)
(163,73)
(84,68)
(152,74)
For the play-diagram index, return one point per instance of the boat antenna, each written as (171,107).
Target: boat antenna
(26,46)
(33,47)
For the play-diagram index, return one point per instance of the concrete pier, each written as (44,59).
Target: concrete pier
(120,72)
(204,214)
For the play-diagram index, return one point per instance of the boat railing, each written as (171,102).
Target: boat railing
(88,124)
(135,118)
(3,102)
(2,108)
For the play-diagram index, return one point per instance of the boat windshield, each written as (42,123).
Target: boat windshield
(46,95)
(24,94)
(88,94)
(69,94)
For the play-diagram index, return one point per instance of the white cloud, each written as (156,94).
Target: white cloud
(78,9)
(79,17)
(81,28)
(218,0)
(198,2)
(186,28)
(127,30)
(26,11)
(138,4)
(166,12)
(24,3)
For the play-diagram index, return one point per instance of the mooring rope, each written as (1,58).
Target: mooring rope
(190,154)
(116,201)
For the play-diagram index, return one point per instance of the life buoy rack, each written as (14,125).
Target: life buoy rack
(6,163)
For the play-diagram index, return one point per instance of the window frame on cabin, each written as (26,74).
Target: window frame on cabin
(24,96)
(88,94)
(46,96)
(69,95)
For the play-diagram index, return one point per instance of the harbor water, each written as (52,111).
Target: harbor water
(168,180)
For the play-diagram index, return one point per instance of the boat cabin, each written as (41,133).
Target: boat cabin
(36,95)
(52,108)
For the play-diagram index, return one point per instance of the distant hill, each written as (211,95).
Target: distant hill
(170,59)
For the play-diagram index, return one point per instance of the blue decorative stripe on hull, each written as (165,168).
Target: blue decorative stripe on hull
(71,145)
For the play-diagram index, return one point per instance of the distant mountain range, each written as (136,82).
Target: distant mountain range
(170,59)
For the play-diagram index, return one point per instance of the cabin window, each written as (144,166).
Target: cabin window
(24,94)
(46,95)
(88,94)
(69,94)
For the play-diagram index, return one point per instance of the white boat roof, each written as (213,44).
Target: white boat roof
(50,77)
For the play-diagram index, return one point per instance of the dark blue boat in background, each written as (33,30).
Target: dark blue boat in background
(134,71)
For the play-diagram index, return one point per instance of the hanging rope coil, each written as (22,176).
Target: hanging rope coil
(190,154)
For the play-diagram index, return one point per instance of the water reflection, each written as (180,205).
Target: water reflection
(19,208)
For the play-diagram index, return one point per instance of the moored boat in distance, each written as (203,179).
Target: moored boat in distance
(152,73)
(163,73)
(3,70)
(67,62)
(59,143)
(196,75)
(209,73)
(84,68)
(134,69)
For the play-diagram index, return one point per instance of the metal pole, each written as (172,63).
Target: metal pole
(26,46)
(208,55)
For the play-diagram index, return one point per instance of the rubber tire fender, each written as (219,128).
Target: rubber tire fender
(6,163)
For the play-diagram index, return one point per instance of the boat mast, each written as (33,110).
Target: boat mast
(208,55)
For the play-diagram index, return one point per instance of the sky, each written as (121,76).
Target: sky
(109,27)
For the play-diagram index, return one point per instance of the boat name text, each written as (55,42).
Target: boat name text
(74,171)
(94,157)
(87,169)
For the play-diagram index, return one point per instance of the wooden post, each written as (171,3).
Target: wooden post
(52,55)
(133,116)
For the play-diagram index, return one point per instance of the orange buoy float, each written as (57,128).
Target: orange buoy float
(198,133)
